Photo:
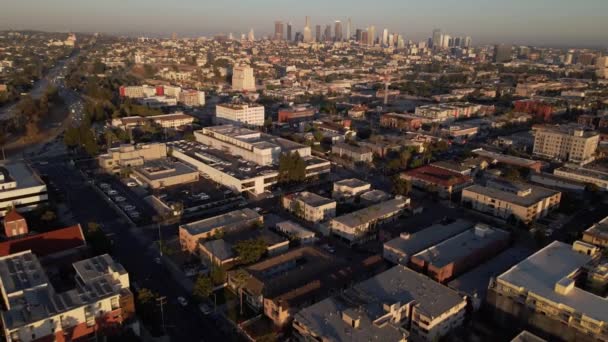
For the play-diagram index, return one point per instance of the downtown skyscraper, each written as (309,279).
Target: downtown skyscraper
(307,36)
(338,31)
(289,36)
(349,27)
(278,30)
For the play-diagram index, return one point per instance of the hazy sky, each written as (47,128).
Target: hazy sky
(547,22)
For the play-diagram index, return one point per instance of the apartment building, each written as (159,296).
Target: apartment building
(20,188)
(130,155)
(566,143)
(360,226)
(295,232)
(402,122)
(34,311)
(549,292)
(450,258)
(395,305)
(282,285)
(437,180)
(138,92)
(192,98)
(353,152)
(349,188)
(309,206)
(248,114)
(511,200)
(505,159)
(400,249)
(191,233)
(583,175)
(243,79)
(173,121)
(448,112)
(597,234)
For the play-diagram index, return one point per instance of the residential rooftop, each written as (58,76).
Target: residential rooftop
(438,175)
(505,158)
(462,245)
(351,183)
(232,218)
(554,265)
(522,194)
(410,244)
(311,199)
(371,213)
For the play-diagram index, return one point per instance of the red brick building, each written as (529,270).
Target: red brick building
(402,122)
(14,224)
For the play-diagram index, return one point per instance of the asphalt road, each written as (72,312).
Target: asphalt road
(183,323)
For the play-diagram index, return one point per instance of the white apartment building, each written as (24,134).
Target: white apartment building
(448,111)
(310,206)
(349,188)
(21,188)
(566,143)
(396,305)
(588,176)
(243,79)
(128,155)
(249,114)
(359,226)
(34,310)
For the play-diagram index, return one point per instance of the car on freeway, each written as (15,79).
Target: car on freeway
(128,207)
(119,199)
(111,192)
(131,184)
(182,301)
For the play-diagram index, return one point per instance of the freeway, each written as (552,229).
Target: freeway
(134,253)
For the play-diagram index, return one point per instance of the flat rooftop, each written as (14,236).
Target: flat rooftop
(311,199)
(21,173)
(21,271)
(229,219)
(160,169)
(475,282)
(371,213)
(97,267)
(539,273)
(410,244)
(351,183)
(599,229)
(293,229)
(583,172)
(255,138)
(437,175)
(506,159)
(462,245)
(220,249)
(535,195)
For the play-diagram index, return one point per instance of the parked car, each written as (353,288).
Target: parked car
(182,301)
(205,309)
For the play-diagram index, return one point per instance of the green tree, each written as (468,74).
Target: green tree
(217,275)
(203,288)
(250,251)
(401,186)
(292,168)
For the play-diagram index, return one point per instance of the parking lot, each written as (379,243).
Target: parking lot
(125,197)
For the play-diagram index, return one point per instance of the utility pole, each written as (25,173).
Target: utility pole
(160,240)
(162,301)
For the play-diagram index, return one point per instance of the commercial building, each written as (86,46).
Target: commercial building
(388,307)
(400,249)
(131,155)
(221,252)
(450,258)
(242,159)
(597,234)
(360,226)
(503,53)
(20,188)
(584,175)
(402,122)
(164,173)
(566,143)
(243,79)
(296,113)
(438,180)
(34,311)
(173,120)
(511,200)
(282,285)
(352,152)
(249,114)
(549,291)
(191,233)
(349,188)
(309,206)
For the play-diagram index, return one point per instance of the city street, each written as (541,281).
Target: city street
(183,323)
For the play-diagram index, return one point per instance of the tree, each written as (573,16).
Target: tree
(48,216)
(203,288)
(292,168)
(146,297)
(401,186)
(217,274)
(250,251)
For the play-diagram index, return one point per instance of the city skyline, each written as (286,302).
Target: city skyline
(487,21)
